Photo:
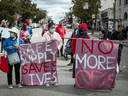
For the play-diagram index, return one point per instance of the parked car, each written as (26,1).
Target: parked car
(32,25)
(69,26)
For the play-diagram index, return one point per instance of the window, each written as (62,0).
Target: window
(119,12)
(125,2)
(119,2)
(125,16)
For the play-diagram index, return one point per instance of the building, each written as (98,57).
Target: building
(106,14)
(122,12)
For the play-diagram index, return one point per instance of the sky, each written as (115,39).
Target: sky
(55,8)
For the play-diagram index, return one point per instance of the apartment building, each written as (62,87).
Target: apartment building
(122,12)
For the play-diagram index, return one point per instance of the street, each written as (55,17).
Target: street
(66,82)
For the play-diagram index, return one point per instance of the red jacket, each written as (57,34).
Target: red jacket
(73,44)
(61,31)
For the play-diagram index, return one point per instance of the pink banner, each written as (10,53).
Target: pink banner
(95,64)
(39,63)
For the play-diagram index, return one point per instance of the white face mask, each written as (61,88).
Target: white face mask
(110,30)
(52,30)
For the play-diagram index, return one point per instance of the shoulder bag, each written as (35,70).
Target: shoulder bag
(14,58)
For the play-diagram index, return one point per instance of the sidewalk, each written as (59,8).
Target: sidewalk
(96,34)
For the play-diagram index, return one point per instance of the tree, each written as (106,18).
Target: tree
(39,15)
(29,11)
(85,14)
(8,9)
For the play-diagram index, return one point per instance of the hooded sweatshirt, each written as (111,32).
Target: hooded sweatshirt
(77,35)
(61,31)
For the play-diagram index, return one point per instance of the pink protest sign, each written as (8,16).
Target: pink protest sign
(95,63)
(39,63)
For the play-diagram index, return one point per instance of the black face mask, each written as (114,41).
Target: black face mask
(81,31)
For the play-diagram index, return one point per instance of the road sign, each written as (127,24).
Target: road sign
(93,16)
(85,5)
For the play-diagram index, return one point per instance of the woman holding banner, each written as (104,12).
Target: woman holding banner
(73,33)
(81,32)
(10,45)
(51,35)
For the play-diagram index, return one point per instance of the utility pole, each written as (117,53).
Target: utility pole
(92,18)
(114,13)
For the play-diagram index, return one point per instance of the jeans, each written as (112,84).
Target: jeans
(17,74)
(119,54)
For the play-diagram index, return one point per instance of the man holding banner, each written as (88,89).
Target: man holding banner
(81,32)
(119,35)
(95,63)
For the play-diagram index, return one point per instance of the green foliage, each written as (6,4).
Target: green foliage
(39,15)
(85,13)
(25,8)
(7,10)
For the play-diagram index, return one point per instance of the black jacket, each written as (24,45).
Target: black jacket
(118,36)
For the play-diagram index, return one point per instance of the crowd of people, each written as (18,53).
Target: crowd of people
(57,34)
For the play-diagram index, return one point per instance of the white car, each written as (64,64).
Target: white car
(69,26)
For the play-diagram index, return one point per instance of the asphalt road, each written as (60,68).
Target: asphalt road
(66,81)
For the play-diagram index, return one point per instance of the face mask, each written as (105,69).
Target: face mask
(110,30)
(11,35)
(52,30)
(60,24)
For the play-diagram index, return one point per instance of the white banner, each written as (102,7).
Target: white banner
(4,32)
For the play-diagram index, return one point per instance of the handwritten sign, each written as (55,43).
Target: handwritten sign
(95,64)
(39,63)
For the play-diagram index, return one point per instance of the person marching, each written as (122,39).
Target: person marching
(81,32)
(3,24)
(10,45)
(24,34)
(119,35)
(27,21)
(51,35)
(109,33)
(73,33)
(62,32)
(44,30)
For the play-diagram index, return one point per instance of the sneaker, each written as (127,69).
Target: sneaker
(70,69)
(56,84)
(47,85)
(10,86)
(19,86)
(112,89)
(70,64)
